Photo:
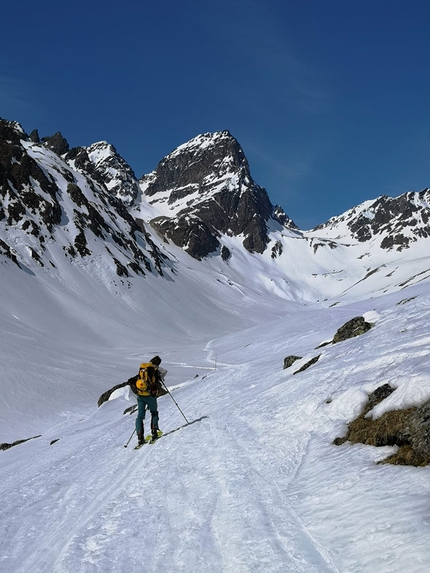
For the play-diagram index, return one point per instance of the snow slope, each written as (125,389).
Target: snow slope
(252,483)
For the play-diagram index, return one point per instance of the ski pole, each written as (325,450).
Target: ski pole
(175,401)
(125,445)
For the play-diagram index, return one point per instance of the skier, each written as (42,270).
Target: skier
(148,386)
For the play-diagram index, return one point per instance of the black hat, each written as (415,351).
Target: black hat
(156,360)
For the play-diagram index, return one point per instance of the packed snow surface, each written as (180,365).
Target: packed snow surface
(249,480)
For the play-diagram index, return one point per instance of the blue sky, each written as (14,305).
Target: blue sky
(329,99)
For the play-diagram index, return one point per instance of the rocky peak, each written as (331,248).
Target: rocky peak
(196,165)
(56,143)
(204,189)
(10,132)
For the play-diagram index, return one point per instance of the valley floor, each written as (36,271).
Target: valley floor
(251,484)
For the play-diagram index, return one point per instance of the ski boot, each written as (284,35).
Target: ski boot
(140,438)
(154,434)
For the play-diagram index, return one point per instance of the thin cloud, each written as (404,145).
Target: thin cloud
(267,65)
(16,98)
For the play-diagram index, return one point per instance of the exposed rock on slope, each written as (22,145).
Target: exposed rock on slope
(54,206)
(289,360)
(397,222)
(354,327)
(409,429)
(117,175)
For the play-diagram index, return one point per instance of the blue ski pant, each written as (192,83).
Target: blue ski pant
(142,402)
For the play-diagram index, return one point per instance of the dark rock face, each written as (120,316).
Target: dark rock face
(377,396)
(57,143)
(276,250)
(34,136)
(207,185)
(191,233)
(10,132)
(17,169)
(197,163)
(225,253)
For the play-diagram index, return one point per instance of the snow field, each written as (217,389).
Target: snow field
(252,483)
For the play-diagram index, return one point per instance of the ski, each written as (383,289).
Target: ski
(149,439)
(138,446)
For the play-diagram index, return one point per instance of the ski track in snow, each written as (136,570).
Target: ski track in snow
(170,512)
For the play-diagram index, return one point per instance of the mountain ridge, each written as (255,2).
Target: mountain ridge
(87,204)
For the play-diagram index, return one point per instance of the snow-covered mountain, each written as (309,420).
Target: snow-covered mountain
(86,204)
(203,190)
(94,280)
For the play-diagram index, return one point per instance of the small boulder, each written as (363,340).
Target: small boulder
(289,360)
(353,327)
(313,360)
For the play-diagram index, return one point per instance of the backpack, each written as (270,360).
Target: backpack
(148,380)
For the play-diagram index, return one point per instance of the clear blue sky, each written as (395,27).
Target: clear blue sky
(328,98)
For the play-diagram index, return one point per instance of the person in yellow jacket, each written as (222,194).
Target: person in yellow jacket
(148,385)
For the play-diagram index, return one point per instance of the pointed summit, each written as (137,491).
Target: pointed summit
(203,190)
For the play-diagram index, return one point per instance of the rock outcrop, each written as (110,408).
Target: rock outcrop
(354,327)
(408,429)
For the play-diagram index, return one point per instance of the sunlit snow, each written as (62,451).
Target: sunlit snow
(252,483)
